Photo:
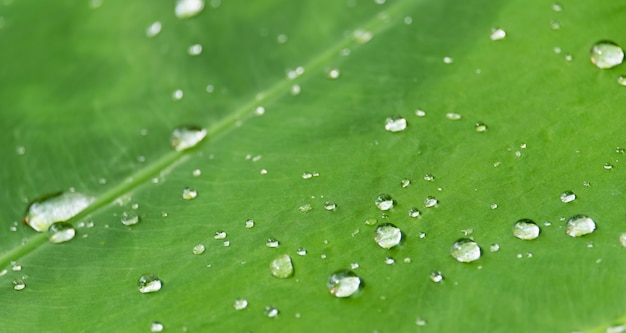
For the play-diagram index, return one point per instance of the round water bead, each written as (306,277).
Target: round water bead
(149,283)
(414,212)
(526,229)
(621,80)
(579,225)
(156,327)
(395,124)
(272,242)
(430,202)
(187,137)
(129,218)
(249,224)
(568,196)
(282,267)
(198,249)
(388,235)
(436,277)
(60,232)
(465,250)
(497,34)
(606,54)
(330,205)
(189,193)
(240,304)
(480,127)
(188,8)
(271,311)
(384,201)
(343,283)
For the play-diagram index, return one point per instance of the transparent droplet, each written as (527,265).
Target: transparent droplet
(387,235)
(134,206)
(305,208)
(580,225)
(430,201)
(371,222)
(60,232)
(362,36)
(405,182)
(494,247)
(271,242)
(414,212)
(621,80)
(420,113)
(153,29)
(384,201)
(390,260)
(129,218)
(606,54)
(177,95)
(330,205)
(619,328)
(57,207)
(282,267)
(555,25)
(263,171)
(198,249)
(568,196)
(480,127)
(149,283)
(189,193)
(259,111)
(408,20)
(343,283)
(465,250)
(333,73)
(187,137)
(15,266)
(21,150)
(447,60)
(271,311)
(568,57)
(188,8)
(156,327)
(497,34)
(249,224)
(429,177)
(195,49)
(240,304)
(557,7)
(209,88)
(608,166)
(420,322)
(19,285)
(436,277)
(295,89)
(622,239)
(226,243)
(453,116)
(526,229)
(220,234)
(282,39)
(395,124)
(301,251)
(493,206)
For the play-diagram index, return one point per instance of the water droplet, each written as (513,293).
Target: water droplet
(557,7)
(579,225)
(156,327)
(21,150)
(194,50)
(408,20)
(220,235)
(60,232)
(622,239)
(428,177)
(621,80)
(343,283)
(405,182)
(188,8)
(282,39)
(240,304)
(15,266)
(453,116)
(497,34)
(301,251)
(249,224)
(259,111)
(395,124)
(568,196)
(153,29)
(414,212)
(480,127)
(420,322)
(387,235)
(370,222)
(447,60)
(271,311)
(177,95)
(333,73)
(493,206)
(305,208)
(271,242)
(198,249)
(57,207)
(436,277)
(384,201)
(18,285)
(465,250)
(362,36)
(568,57)
(526,229)
(430,201)
(226,243)
(295,89)
(620,150)
(149,283)
(390,260)
(495,247)
(187,137)
(129,218)
(615,328)
(330,205)
(282,267)
(263,171)
(420,113)
(606,54)
(189,193)
(608,166)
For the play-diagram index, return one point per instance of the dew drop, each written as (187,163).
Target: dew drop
(436,277)
(272,242)
(198,249)
(555,25)
(621,80)
(387,235)
(149,283)
(156,327)
(177,95)
(579,225)
(282,39)
(220,235)
(194,50)
(18,285)
(196,173)
(497,34)
(430,202)
(330,205)
(414,212)
(57,207)
(295,89)
(189,193)
(362,36)
(187,137)
(21,150)
(495,247)
(622,239)
(608,166)
(429,177)
(263,171)
(420,113)
(370,222)
(226,243)
(453,116)
(271,311)
(408,20)
(129,218)
(61,232)
(333,73)
(526,229)
(209,88)
(240,304)
(480,127)
(568,196)
(343,283)
(465,250)
(305,208)
(395,124)
(405,183)
(557,7)
(282,267)
(606,54)
(15,266)
(249,224)
(384,202)
(420,322)
(188,8)
(153,29)
(301,251)
(493,206)
(447,60)
(390,260)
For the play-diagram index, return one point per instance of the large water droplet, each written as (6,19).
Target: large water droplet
(465,250)
(129,218)
(282,267)
(384,201)
(60,232)
(568,196)
(57,207)
(606,54)
(189,193)
(343,283)
(526,229)
(149,283)
(395,124)
(579,225)
(188,8)
(240,304)
(187,137)
(388,235)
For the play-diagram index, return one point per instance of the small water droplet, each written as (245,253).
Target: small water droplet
(436,277)
(149,283)
(259,111)
(343,283)
(465,250)
(240,304)
(447,60)
(187,137)
(249,224)
(493,206)
(226,243)
(301,251)
(384,202)
(188,8)
(189,193)
(263,171)
(621,80)
(430,202)
(606,54)
(414,212)
(608,166)
(387,235)
(15,266)
(495,247)
(497,34)
(390,260)
(480,127)
(568,196)
(362,36)
(60,232)
(370,222)
(272,242)
(429,177)
(555,25)
(220,235)
(420,322)
(198,249)
(333,73)
(579,225)
(194,50)
(420,113)
(453,116)
(20,150)
(395,124)
(282,39)
(134,206)
(129,218)
(557,7)
(405,182)
(408,20)
(177,95)
(614,328)
(305,208)
(153,29)
(282,267)
(156,327)
(568,57)
(19,285)
(295,89)
(526,229)
(622,239)
(330,205)
(57,207)
(271,311)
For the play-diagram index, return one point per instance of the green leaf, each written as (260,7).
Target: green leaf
(87,104)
